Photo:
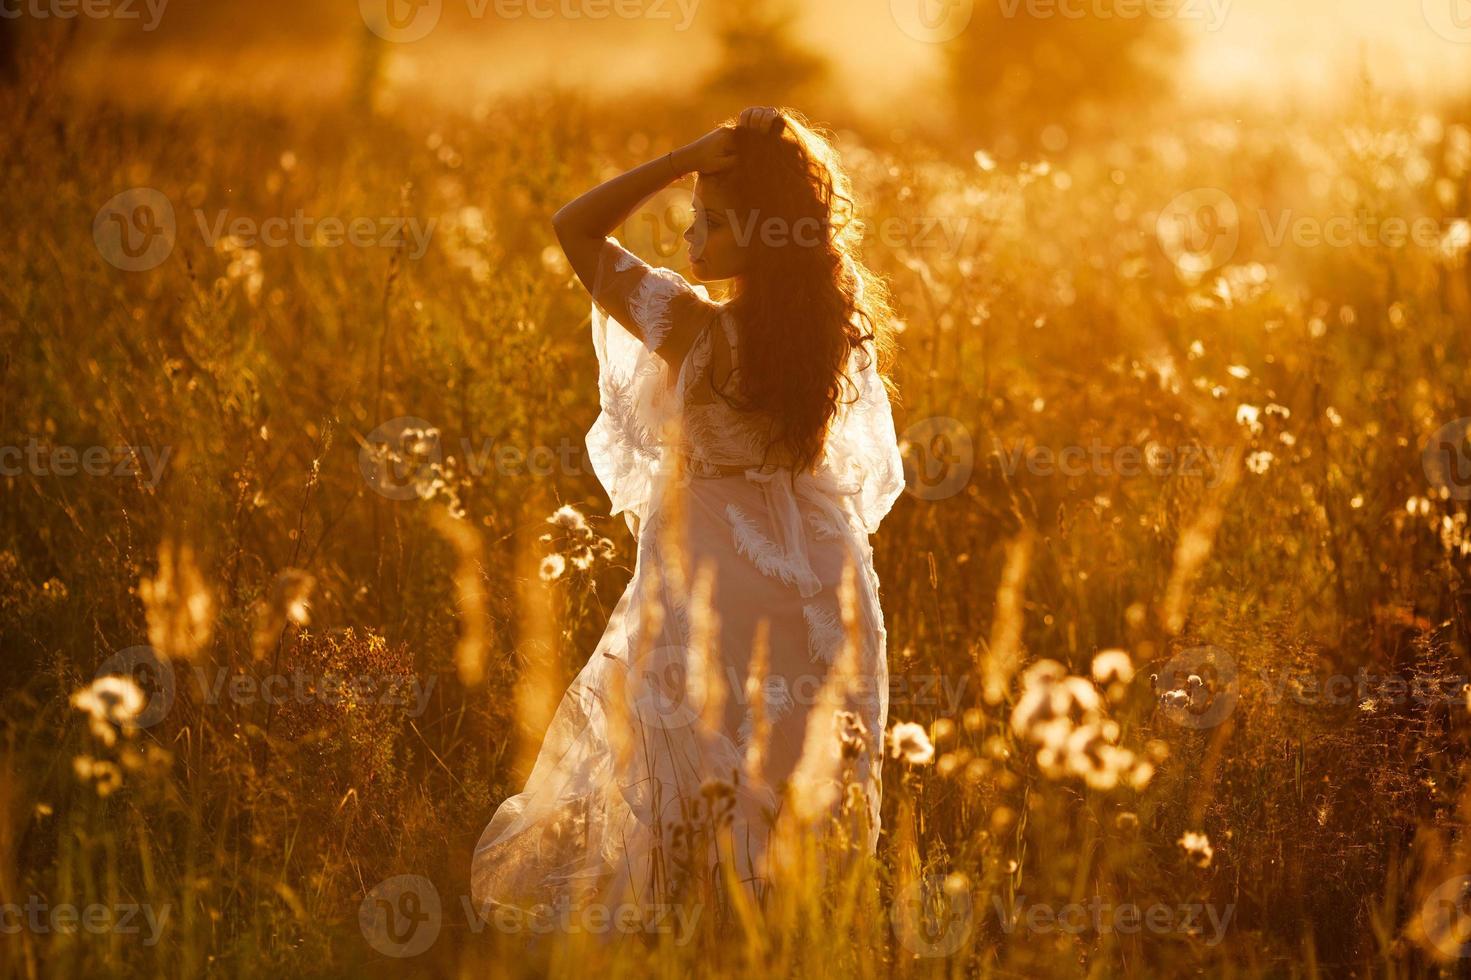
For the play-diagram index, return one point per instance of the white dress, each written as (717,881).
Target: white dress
(650,761)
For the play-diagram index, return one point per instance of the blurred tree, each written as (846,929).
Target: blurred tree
(1029,75)
(760,61)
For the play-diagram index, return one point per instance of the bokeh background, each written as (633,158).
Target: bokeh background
(1216,253)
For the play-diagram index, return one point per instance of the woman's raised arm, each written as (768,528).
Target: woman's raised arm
(584,224)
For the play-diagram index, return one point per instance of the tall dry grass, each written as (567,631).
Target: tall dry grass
(1054,319)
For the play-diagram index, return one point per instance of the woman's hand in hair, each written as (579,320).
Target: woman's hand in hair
(763,119)
(710,154)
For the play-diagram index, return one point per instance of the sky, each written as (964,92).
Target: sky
(1270,49)
(1263,50)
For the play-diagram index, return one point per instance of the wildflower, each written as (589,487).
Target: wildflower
(715,788)
(1198,847)
(104,776)
(944,729)
(1112,665)
(1050,695)
(569,518)
(552,567)
(1249,416)
(293,591)
(576,541)
(909,741)
(180,610)
(111,703)
(852,733)
(1260,462)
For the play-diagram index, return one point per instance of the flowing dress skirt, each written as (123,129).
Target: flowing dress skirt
(666,743)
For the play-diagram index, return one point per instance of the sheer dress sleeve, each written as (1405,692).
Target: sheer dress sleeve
(637,310)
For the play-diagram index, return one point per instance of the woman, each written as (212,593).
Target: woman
(741,685)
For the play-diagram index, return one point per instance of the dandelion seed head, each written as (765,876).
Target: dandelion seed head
(910,742)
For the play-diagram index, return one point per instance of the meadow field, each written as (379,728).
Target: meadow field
(293,399)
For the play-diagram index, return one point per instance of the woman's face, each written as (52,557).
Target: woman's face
(714,250)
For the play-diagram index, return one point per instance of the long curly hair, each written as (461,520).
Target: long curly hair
(806,303)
